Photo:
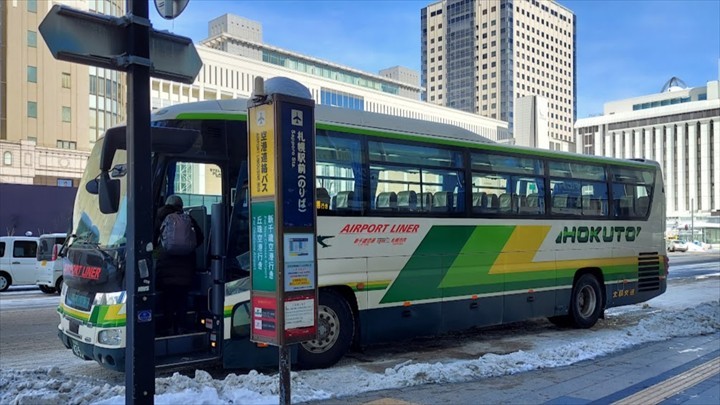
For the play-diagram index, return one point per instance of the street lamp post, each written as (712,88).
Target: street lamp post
(692,220)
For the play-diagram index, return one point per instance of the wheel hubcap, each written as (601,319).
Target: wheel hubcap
(328,327)
(586,301)
(3,283)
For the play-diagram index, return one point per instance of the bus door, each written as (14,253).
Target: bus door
(199,185)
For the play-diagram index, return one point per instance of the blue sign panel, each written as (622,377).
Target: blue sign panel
(298,160)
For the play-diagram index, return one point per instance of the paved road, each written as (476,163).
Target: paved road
(28,336)
(683,370)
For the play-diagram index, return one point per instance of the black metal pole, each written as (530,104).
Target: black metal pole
(140,345)
(284,375)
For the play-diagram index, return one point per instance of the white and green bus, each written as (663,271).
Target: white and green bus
(423,228)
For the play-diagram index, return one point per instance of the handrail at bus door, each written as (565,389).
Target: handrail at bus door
(216,296)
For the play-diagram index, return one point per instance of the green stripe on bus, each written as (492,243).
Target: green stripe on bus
(425,269)
(214,116)
(472,265)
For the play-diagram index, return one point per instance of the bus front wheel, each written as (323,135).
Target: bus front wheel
(336,328)
(586,302)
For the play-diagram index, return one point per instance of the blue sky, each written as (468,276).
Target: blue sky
(625,48)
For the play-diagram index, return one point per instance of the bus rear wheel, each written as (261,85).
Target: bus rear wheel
(336,328)
(586,302)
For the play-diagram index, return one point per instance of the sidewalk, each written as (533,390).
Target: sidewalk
(678,371)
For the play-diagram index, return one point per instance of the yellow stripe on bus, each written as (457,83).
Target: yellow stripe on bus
(74,313)
(523,245)
(506,268)
(113,312)
(519,253)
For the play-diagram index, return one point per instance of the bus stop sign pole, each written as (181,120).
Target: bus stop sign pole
(281,174)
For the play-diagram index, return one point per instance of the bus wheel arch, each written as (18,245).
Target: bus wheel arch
(5,280)
(587,300)
(336,330)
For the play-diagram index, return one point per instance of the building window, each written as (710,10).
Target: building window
(66,80)
(32,74)
(93,85)
(341,99)
(64,182)
(32,39)
(66,144)
(32,6)
(7,158)
(66,114)
(32,109)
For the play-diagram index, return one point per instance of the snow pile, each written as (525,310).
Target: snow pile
(48,385)
(569,349)
(51,386)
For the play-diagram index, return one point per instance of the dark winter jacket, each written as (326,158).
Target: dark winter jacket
(174,269)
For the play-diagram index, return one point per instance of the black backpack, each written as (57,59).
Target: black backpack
(177,234)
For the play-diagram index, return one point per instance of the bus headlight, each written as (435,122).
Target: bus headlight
(109,298)
(111,337)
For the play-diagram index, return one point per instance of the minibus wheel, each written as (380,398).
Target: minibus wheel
(59,285)
(46,289)
(5,281)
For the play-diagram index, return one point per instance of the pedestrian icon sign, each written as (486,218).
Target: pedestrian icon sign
(260,118)
(297,117)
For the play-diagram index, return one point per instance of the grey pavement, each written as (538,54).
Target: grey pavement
(667,372)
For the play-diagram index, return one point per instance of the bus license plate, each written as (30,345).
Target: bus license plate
(76,350)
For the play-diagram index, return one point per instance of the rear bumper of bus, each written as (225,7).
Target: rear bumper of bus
(113,359)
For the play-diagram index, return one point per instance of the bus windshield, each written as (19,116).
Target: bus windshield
(90,224)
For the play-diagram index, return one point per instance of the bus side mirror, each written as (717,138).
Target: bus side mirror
(92,186)
(108,193)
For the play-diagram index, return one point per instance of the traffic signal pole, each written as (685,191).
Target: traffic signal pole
(140,345)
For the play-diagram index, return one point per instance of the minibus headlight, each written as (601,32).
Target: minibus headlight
(111,337)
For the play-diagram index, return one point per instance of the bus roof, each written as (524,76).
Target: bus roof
(337,116)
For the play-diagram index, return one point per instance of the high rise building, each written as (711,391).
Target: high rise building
(531,123)
(479,56)
(51,112)
(404,75)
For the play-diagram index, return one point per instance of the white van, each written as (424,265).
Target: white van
(49,268)
(17,260)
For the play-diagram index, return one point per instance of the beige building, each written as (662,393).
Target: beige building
(480,56)
(680,129)
(51,112)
